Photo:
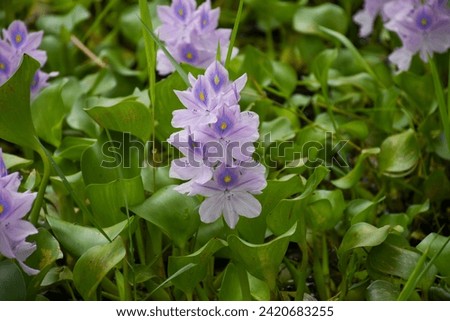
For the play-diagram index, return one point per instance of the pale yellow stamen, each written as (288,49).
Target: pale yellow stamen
(216,80)
(180,12)
(18,38)
(204,22)
(201,96)
(227,179)
(223,126)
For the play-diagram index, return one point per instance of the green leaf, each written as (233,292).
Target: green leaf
(174,213)
(380,290)
(253,230)
(13,162)
(166,103)
(94,265)
(285,77)
(308,19)
(262,260)
(435,242)
(106,161)
(47,252)
(258,66)
(387,260)
(73,147)
(48,112)
(399,154)
(56,23)
(360,210)
(322,65)
(230,290)
(353,177)
(279,129)
(16,125)
(13,284)
(363,235)
(57,274)
(325,209)
(127,117)
(200,258)
(283,216)
(77,239)
(108,200)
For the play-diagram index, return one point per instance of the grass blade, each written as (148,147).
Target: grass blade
(234,33)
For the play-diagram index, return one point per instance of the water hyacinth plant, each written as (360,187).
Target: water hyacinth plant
(162,163)
(217,144)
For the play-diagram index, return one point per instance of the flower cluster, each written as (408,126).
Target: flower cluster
(16,42)
(217,144)
(422,26)
(190,35)
(13,228)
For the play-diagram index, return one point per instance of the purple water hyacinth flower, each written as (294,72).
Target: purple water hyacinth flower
(193,167)
(206,19)
(208,92)
(177,21)
(13,229)
(16,43)
(40,81)
(25,43)
(424,28)
(230,194)
(365,18)
(190,34)
(234,130)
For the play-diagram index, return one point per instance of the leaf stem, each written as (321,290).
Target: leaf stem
(441,100)
(234,33)
(34,215)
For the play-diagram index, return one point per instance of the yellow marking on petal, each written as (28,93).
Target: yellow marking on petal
(1,208)
(18,38)
(227,179)
(216,80)
(201,96)
(189,55)
(2,66)
(204,22)
(424,22)
(180,12)
(223,126)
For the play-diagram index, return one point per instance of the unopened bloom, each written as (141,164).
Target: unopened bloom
(229,194)
(13,228)
(190,34)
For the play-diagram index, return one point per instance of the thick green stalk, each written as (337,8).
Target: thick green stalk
(234,33)
(441,100)
(302,273)
(34,215)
